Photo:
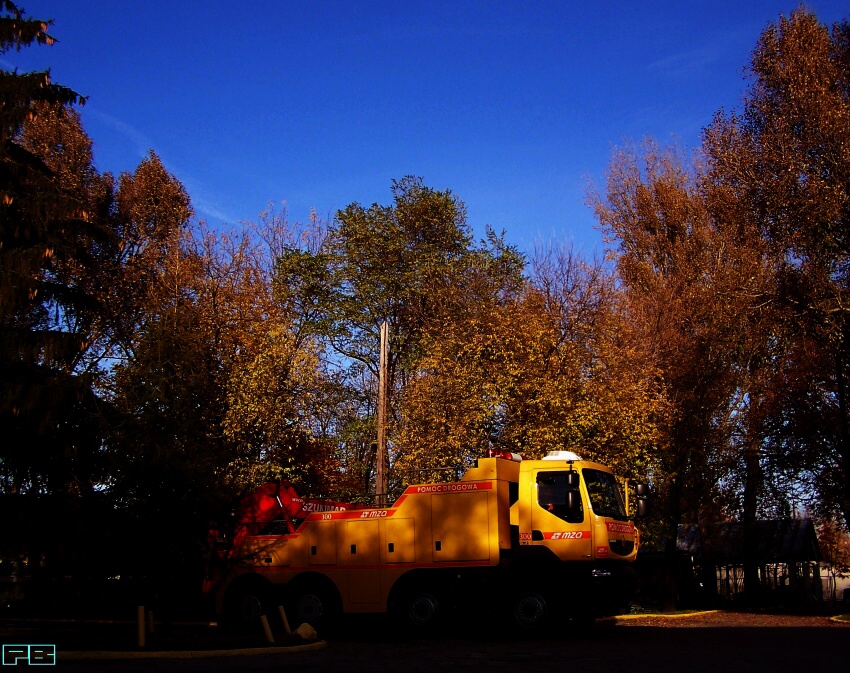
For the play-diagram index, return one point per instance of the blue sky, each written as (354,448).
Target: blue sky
(514,106)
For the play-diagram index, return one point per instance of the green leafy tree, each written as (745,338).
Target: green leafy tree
(412,263)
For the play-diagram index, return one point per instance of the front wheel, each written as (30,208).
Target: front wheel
(530,610)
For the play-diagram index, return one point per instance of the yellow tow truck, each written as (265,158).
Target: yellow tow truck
(534,540)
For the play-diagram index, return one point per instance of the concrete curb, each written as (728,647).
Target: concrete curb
(187,654)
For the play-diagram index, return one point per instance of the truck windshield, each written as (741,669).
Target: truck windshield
(552,488)
(605,498)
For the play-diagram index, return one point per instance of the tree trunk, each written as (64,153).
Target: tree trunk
(752,486)
(670,588)
(844,438)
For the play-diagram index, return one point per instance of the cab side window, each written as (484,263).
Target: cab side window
(605,498)
(552,489)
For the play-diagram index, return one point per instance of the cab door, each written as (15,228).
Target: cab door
(560,517)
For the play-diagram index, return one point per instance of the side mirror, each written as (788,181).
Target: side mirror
(573,500)
(642,493)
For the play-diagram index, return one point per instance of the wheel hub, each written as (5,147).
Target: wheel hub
(310,608)
(423,609)
(530,610)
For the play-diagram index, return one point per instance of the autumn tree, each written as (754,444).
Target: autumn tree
(551,368)
(695,279)
(618,407)
(471,390)
(218,390)
(784,162)
(739,264)
(56,136)
(281,394)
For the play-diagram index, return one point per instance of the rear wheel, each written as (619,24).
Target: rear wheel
(247,608)
(416,606)
(314,602)
(310,607)
(245,602)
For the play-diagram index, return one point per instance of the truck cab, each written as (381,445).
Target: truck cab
(572,540)
(573,508)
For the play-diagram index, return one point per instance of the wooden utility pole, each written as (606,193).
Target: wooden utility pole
(381,460)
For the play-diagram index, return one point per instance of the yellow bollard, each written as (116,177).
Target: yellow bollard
(285,621)
(265,622)
(140,613)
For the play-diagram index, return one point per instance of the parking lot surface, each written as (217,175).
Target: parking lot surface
(708,642)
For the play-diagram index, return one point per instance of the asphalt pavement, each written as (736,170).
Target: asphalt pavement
(691,644)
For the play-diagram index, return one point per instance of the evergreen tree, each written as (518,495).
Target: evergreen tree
(46,240)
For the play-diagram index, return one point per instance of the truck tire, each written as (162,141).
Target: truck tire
(416,606)
(247,608)
(244,603)
(422,609)
(313,601)
(530,611)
